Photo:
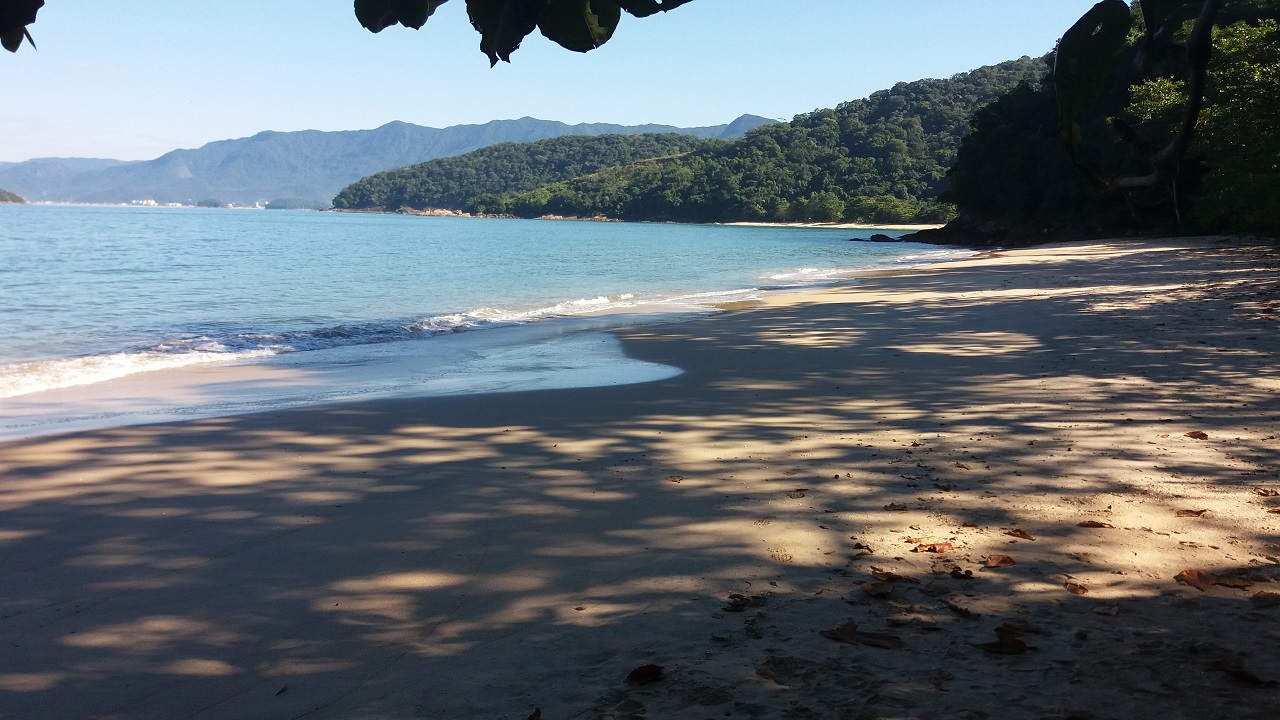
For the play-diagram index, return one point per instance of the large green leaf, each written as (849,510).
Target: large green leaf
(378,14)
(15,16)
(580,25)
(1085,55)
(645,8)
(503,24)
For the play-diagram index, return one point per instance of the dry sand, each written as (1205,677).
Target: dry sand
(483,556)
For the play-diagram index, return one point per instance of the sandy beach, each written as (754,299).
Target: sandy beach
(958,491)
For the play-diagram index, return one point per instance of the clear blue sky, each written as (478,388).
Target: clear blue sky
(132,79)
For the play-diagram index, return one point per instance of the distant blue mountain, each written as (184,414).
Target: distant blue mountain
(309,164)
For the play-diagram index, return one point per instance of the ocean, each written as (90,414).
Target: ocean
(122,315)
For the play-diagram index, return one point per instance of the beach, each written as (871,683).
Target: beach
(957,491)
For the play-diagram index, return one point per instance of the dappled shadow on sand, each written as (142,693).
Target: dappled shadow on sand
(480,556)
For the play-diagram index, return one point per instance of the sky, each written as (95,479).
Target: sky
(133,79)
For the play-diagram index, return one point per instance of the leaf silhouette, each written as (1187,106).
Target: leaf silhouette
(1018,533)
(997,561)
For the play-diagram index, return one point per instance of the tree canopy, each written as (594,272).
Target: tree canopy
(578,25)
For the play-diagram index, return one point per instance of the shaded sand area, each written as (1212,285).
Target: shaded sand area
(483,556)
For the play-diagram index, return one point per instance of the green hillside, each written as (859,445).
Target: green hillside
(883,159)
(8,197)
(452,183)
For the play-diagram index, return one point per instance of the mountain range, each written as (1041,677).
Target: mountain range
(309,165)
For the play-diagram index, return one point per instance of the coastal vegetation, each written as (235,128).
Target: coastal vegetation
(12,198)
(453,183)
(879,159)
(1014,178)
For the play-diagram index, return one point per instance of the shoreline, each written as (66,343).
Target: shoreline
(485,555)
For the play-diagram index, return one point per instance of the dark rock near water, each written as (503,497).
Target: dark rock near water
(878,237)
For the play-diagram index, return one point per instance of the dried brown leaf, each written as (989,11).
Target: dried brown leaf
(997,561)
(959,609)
(1274,511)
(962,466)
(1234,581)
(1076,588)
(1265,599)
(850,634)
(1095,524)
(877,589)
(896,507)
(1198,435)
(1110,610)
(1199,579)
(1266,492)
(1190,513)
(738,602)
(887,576)
(645,674)
(935,548)
(1007,643)
(675,478)
(1018,533)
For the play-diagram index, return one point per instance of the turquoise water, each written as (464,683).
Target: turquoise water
(92,294)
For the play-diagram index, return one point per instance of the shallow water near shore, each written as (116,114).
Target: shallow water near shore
(118,315)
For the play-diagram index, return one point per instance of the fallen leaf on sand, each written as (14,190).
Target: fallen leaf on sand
(580,608)
(1198,579)
(739,602)
(887,576)
(997,561)
(535,715)
(959,609)
(645,674)
(1233,581)
(1095,524)
(959,574)
(1265,599)
(1190,513)
(1266,492)
(896,507)
(1198,435)
(1007,643)
(934,548)
(797,493)
(1015,532)
(1076,588)
(849,633)
(675,478)
(1274,511)
(962,466)
(1107,609)
(1022,626)
(877,589)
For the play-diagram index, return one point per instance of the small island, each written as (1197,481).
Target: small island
(11,198)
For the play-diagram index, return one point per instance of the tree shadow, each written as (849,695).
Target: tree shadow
(479,556)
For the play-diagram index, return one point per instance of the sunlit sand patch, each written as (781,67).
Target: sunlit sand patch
(825,338)
(154,633)
(400,582)
(29,682)
(974,344)
(200,667)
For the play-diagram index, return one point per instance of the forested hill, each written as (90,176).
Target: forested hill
(310,165)
(883,158)
(452,183)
